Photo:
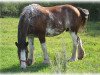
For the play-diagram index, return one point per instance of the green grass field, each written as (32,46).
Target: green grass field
(8,52)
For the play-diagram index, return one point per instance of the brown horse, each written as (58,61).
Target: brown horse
(38,21)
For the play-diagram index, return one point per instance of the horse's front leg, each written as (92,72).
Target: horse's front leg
(75,46)
(31,50)
(44,49)
(80,49)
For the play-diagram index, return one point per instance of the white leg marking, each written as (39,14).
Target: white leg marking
(46,58)
(75,45)
(80,49)
(31,48)
(23,57)
(80,42)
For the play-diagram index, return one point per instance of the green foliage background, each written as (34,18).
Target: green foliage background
(14,9)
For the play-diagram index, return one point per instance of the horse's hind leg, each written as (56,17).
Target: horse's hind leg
(46,58)
(31,50)
(75,46)
(44,48)
(80,49)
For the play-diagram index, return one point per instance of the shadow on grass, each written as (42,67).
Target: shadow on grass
(16,69)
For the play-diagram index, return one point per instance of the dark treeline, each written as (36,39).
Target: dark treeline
(14,9)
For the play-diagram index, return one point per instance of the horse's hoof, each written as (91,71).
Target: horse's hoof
(81,54)
(29,62)
(80,58)
(72,59)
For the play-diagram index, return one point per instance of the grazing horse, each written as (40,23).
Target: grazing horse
(39,21)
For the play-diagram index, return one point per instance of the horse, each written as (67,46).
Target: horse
(38,21)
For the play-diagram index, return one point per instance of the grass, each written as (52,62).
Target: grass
(8,52)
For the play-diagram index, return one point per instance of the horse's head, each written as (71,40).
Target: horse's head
(22,53)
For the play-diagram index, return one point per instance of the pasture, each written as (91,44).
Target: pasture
(56,45)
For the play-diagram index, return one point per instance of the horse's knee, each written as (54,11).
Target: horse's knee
(75,39)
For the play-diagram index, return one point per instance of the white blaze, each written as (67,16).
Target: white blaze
(23,58)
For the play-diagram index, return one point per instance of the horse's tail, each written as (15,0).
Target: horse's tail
(84,14)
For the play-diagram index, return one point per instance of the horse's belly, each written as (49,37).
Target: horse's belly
(53,32)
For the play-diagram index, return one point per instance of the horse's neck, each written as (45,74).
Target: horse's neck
(21,36)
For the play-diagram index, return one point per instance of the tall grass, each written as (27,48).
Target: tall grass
(59,64)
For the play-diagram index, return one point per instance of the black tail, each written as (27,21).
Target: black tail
(84,14)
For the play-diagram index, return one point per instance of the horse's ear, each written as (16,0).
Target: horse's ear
(16,43)
(26,43)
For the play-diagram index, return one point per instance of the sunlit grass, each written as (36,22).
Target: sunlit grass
(91,41)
